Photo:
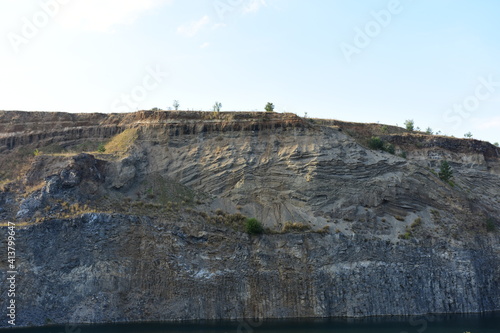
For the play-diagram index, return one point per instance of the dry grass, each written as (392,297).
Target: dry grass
(33,188)
(13,165)
(121,143)
(295,227)
(234,221)
(18,224)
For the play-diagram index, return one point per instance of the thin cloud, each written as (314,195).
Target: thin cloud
(489,123)
(218,26)
(254,6)
(103,16)
(192,28)
(204,45)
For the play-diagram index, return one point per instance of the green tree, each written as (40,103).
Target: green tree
(410,125)
(496,144)
(269,107)
(253,226)
(176,105)
(468,135)
(445,172)
(429,131)
(217,106)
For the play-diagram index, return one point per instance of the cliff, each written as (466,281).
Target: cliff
(151,227)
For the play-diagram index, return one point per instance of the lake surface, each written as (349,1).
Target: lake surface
(488,323)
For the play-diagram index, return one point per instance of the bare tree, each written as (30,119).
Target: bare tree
(217,106)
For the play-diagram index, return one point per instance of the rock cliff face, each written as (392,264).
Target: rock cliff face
(152,227)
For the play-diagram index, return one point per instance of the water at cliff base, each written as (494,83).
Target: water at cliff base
(487,323)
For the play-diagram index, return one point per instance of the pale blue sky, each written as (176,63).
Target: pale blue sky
(434,61)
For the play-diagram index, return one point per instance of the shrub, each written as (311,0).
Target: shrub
(468,135)
(101,148)
(253,226)
(496,144)
(390,148)
(375,143)
(405,236)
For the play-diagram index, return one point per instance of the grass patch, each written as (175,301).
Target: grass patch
(411,229)
(295,227)
(13,165)
(435,215)
(234,221)
(406,236)
(325,230)
(121,143)
(416,223)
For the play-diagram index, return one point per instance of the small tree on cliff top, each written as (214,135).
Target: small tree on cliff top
(217,106)
(269,107)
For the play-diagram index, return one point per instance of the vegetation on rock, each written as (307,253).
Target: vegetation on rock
(253,226)
(445,172)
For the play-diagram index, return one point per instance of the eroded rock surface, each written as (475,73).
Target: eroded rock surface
(151,232)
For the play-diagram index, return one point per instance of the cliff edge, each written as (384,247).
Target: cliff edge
(141,217)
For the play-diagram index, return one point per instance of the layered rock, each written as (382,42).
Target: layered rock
(148,233)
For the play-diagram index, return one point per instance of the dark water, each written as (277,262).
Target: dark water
(488,323)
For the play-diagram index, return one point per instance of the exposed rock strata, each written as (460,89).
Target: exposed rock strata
(141,235)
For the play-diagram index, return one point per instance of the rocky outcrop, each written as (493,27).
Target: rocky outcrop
(115,268)
(151,233)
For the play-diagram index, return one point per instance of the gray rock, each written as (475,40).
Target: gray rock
(103,268)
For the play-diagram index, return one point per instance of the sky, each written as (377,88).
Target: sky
(436,62)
